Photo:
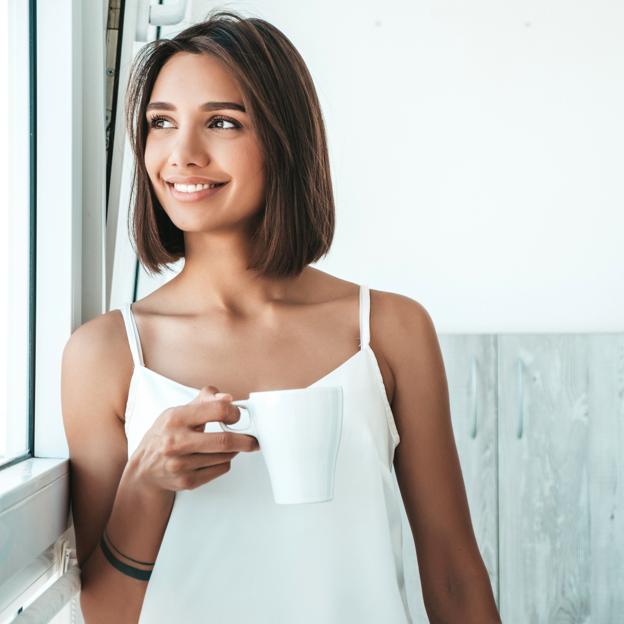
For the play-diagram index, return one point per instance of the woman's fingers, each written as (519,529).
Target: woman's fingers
(216,442)
(195,461)
(207,406)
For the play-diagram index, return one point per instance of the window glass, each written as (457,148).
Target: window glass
(16,190)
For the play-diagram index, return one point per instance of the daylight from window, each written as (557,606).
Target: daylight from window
(15,186)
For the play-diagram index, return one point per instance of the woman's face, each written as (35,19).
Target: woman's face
(188,144)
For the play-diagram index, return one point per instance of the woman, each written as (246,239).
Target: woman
(232,174)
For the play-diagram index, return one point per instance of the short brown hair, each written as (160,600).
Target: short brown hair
(296,224)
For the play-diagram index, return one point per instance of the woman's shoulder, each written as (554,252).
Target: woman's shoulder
(397,306)
(388,303)
(100,334)
(390,312)
(397,324)
(101,345)
(396,318)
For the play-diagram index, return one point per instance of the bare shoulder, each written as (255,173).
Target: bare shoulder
(400,328)
(99,348)
(396,314)
(387,307)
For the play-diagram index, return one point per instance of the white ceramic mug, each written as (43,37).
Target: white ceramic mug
(299,432)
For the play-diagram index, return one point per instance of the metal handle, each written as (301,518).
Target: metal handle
(157,15)
(520,424)
(167,14)
(474,398)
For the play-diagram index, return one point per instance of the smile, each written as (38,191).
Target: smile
(193,192)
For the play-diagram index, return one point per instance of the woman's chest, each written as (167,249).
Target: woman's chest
(293,354)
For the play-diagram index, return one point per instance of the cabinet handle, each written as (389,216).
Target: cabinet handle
(474,398)
(520,427)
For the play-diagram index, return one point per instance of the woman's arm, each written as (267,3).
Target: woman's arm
(104,492)
(455,582)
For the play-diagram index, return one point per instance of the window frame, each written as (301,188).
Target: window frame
(17,12)
(68,175)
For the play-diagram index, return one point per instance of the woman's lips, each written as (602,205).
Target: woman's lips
(196,196)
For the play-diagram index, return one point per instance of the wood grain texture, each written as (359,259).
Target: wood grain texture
(561,478)
(606,478)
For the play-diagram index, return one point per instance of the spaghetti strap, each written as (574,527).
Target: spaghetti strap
(133,334)
(364,315)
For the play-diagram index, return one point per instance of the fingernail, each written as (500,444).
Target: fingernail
(224,395)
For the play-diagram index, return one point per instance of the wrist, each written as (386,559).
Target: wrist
(133,480)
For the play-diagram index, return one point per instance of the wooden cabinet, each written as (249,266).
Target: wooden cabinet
(539,426)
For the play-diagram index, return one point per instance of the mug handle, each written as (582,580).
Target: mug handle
(251,430)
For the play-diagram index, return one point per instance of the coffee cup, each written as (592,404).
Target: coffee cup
(299,433)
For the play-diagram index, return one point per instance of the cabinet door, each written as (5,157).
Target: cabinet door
(470,363)
(606,478)
(547,452)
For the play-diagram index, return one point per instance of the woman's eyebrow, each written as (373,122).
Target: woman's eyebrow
(206,106)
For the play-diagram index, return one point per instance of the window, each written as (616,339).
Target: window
(17,227)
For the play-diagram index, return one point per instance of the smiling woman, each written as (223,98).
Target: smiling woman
(232,174)
(256,127)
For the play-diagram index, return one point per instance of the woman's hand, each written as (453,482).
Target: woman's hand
(177,454)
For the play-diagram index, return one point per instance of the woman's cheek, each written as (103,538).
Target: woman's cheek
(152,171)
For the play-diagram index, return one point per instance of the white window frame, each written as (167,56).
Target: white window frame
(70,285)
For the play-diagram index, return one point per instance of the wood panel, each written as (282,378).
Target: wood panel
(606,478)
(544,494)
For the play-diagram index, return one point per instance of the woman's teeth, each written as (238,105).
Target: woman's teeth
(193,188)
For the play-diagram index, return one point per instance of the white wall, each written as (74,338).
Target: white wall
(477,151)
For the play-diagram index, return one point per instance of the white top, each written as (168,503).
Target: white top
(231,554)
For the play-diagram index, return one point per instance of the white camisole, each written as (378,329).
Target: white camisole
(231,554)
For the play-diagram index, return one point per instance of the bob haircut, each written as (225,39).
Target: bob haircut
(295,226)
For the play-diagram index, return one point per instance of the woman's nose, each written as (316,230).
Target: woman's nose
(189,149)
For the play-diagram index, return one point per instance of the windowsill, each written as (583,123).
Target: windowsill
(34,510)
(23,479)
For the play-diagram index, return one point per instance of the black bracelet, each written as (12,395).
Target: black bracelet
(110,543)
(137,573)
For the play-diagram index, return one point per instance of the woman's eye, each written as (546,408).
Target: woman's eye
(154,121)
(157,120)
(236,125)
